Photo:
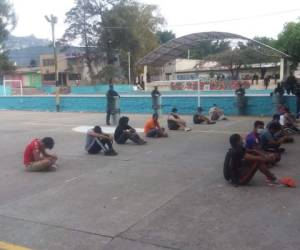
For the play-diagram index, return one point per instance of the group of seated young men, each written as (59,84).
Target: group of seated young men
(36,157)
(175,122)
(262,149)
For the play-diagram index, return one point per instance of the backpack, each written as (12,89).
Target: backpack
(227,167)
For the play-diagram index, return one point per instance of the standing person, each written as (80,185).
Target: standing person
(266,81)
(110,97)
(96,141)
(175,122)
(297,93)
(35,156)
(153,129)
(155,94)
(125,132)
(290,84)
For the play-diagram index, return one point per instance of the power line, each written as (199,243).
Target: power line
(268,14)
(237,19)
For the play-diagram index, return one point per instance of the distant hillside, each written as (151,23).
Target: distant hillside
(23,57)
(15,42)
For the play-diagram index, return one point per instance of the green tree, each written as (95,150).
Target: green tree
(83,21)
(165,36)
(241,56)
(266,40)
(206,47)
(289,40)
(108,28)
(7,23)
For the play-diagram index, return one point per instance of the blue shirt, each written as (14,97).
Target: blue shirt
(252,141)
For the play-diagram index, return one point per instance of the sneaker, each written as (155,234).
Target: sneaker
(111,153)
(210,122)
(273,182)
(142,142)
(187,129)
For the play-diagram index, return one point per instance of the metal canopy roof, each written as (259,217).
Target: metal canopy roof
(177,47)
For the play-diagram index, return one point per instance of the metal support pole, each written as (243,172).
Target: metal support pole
(21,88)
(53,20)
(4,86)
(129,68)
(199,103)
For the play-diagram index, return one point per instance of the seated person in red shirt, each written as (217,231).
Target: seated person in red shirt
(241,164)
(153,129)
(35,156)
(175,122)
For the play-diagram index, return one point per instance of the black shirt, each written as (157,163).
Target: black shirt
(120,130)
(237,163)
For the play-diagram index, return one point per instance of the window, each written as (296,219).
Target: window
(49,77)
(48,62)
(73,77)
(168,76)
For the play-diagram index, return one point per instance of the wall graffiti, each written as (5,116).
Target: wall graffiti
(209,85)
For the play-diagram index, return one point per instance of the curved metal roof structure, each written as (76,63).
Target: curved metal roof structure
(178,46)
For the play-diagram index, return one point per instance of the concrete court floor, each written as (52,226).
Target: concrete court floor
(168,194)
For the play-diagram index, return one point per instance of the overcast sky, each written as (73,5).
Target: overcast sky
(256,17)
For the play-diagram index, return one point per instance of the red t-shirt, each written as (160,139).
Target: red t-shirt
(30,148)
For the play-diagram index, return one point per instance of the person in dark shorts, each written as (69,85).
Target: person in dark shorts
(153,129)
(199,118)
(241,164)
(175,122)
(268,139)
(125,132)
(96,141)
(110,96)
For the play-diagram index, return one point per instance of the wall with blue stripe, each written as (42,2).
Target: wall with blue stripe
(257,105)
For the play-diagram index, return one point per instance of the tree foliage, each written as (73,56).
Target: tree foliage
(289,40)
(207,47)
(266,40)
(112,28)
(165,36)
(240,56)
(7,23)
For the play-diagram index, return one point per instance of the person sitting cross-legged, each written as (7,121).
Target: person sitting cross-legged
(125,132)
(175,122)
(35,156)
(153,129)
(199,118)
(240,164)
(96,141)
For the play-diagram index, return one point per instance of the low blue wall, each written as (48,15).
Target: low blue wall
(257,105)
(97,89)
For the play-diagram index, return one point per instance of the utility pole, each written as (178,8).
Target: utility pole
(53,20)
(129,68)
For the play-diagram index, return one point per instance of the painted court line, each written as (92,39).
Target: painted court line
(109,130)
(8,246)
